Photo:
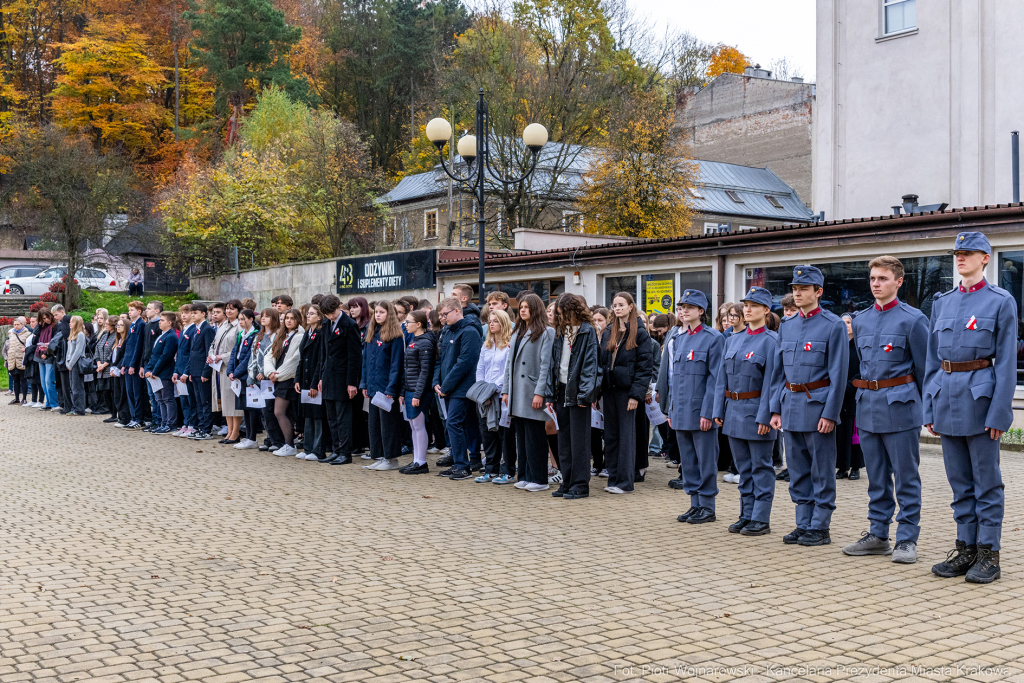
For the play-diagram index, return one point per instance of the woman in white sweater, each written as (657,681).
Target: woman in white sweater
(499,446)
(279,367)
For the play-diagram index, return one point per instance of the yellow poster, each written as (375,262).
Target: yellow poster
(659,297)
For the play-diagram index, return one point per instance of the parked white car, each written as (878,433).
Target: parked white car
(87,278)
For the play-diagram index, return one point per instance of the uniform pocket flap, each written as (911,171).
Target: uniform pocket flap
(983,390)
(932,389)
(898,341)
(819,395)
(902,394)
(789,346)
(944,323)
(730,353)
(987,324)
(755,357)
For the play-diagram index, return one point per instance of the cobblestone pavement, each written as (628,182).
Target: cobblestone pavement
(130,557)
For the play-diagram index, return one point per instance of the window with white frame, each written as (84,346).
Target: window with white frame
(572,221)
(899,15)
(430,224)
(715,228)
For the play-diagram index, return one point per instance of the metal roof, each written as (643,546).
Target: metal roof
(715,178)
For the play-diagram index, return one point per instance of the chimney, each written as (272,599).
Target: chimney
(910,206)
(797,79)
(910,203)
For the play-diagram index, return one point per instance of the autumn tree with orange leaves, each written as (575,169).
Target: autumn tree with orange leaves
(726,59)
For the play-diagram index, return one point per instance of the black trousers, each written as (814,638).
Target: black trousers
(500,447)
(597,448)
(385,432)
(339,417)
(849,456)
(251,419)
(312,437)
(119,402)
(360,425)
(76,390)
(573,443)
(619,439)
(16,382)
(643,439)
(63,387)
(532,449)
(435,427)
(199,392)
(274,432)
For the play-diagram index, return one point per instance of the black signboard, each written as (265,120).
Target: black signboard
(387,272)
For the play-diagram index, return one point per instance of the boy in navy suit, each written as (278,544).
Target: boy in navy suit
(199,373)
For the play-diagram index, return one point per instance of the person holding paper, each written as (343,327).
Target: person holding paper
(311,357)
(161,366)
(199,373)
(238,370)
(627,366)
(574,374)
(337,378)
(419,371)
(526,384)
(747,394)
(279,367)
(693,359)
(383,354)
(76,349)
(269,326)
(224,342)
(188,408)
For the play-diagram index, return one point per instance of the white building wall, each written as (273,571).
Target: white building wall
(927,112)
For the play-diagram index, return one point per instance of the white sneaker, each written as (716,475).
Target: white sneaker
(285,451)
(373,465)
(614,489)
(521,484)
(366,456)
(603,473)
(432,450)
(223,431)
(311,456)
(245,444)
(727,477)
(737,479)
(301,455)
(88,411)
(185,432)
(385,464)
(445,451)
(537,487)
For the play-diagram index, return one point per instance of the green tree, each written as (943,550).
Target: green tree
(244,45)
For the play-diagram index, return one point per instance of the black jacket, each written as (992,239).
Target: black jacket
(311,357)
(582,382)
(471,312)
(342,362)
(633,369)
(61,347)
(151,334)
(201,340)
(419,365)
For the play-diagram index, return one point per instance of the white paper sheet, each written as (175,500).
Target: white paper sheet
(443,407)
(305,398)
(266,388)
(551,413)
(155,383)
(216,365)
(88,378)
(382,402)
(254,398)
(506,416)
(236,386)
(180,389)
(596,419)
(366,404)
(654,414)
(115,372)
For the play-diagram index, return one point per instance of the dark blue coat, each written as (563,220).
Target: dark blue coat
(457,356)
(238,363)
(161,357)
(184,348)
(134,343)
(202,338)
(382,366)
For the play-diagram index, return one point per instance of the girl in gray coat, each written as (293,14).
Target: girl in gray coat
(76,349)
(524,388)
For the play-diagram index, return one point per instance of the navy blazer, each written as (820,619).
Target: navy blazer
(198,350)
(238,363)
(184,348)
(133,344)
(161,357)
(383,366)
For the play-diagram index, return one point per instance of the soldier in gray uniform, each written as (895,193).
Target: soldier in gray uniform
(969,383)
(892,344)
(746,397)
(694,357)
(815,354)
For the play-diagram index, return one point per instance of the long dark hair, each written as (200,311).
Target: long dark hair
(282,332)
(631,324)
(275,323)
(364,310)
(389,329)
(538,318)
(571,311)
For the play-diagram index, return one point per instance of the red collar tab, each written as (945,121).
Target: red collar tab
(695,330)
(813,313)
(975,288)
(892,304)
(757,331)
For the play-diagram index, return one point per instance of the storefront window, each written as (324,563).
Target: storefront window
(658,295)
(1011,268)
(697,279)
(847,288)
(614,285)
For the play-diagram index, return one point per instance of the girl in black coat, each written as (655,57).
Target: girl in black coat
(417,396)
(313,351)
(627,367)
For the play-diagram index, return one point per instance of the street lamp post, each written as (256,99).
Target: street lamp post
(476,154)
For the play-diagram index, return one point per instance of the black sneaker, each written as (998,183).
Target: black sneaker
(445,461)
(406,450)
(686,515)
(670,462)
(738,525)
(446,473)
(572,494)
(637,476)
(676,483)
(133,425)
(958,561)
(111,419)
(793,536)
(854,474)
(475,466)
(460,473)
(986,568)
(559,492)
(416,469)
(842,474)
(815,537)
(756,529)
(782,475)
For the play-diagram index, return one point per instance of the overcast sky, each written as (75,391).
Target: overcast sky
(762,29)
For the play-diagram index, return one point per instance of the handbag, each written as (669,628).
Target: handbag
(87,365)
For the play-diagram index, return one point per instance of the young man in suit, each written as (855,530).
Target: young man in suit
(199,373)
(133,348)
(188,426)
(338,376)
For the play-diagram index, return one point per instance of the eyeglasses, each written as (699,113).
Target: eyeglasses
(443,314)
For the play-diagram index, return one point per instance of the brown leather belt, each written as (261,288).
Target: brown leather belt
(966,366)
(806,388)
(741,395)
(876,384)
